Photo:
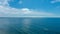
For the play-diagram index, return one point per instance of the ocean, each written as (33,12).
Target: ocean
(20,25)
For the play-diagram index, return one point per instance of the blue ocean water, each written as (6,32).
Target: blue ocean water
(29,25)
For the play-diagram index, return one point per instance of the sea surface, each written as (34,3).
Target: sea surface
(14,25)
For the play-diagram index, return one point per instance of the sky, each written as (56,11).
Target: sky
(19,8)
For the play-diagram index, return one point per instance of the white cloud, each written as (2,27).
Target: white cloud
(4,2)
(54,1)
(6,11)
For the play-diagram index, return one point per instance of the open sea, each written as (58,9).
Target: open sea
(13,25)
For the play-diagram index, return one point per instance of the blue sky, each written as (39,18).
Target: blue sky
(35,6)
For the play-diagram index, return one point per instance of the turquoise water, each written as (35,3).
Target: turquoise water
(29,25)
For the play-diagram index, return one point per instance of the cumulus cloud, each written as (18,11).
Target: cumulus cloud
(54,1)
(7,11)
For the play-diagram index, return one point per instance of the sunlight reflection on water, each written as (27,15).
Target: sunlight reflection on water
(26,25)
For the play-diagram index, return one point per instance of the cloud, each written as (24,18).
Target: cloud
(54,1)
(7,11)
(4,2)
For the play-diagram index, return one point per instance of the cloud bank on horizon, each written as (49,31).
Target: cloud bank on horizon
(7,11)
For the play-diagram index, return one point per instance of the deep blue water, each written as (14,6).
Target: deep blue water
(29,25)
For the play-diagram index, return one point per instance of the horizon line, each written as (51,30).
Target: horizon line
(32,16)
